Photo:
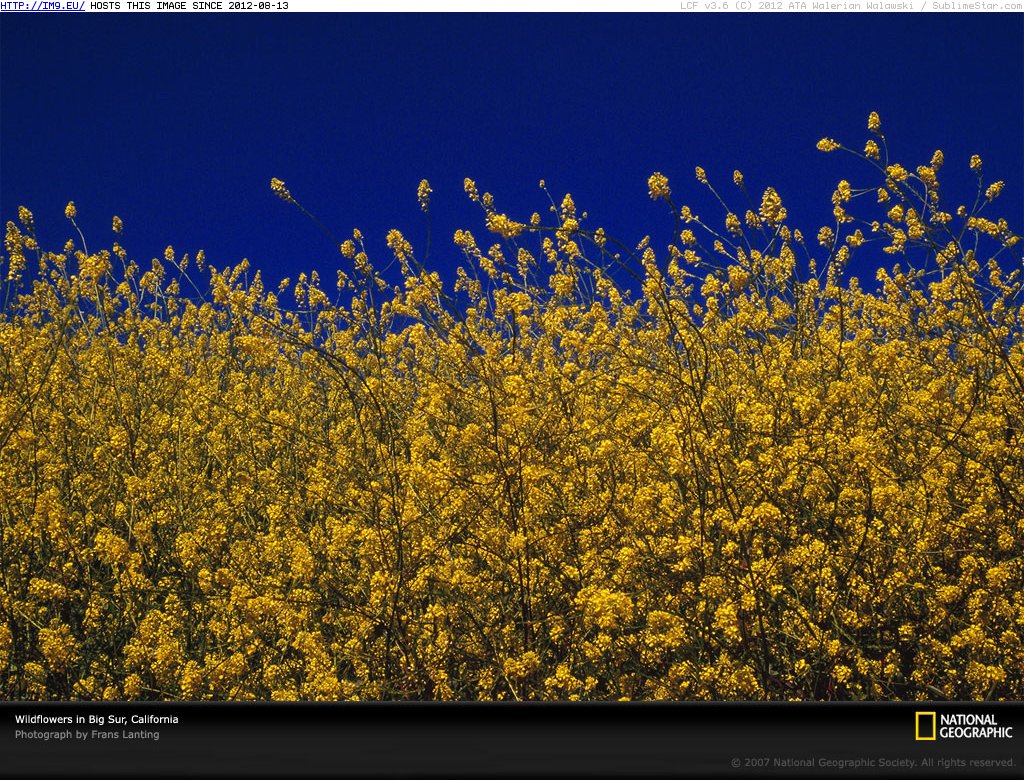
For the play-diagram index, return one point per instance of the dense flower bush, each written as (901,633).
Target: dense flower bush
(751,478)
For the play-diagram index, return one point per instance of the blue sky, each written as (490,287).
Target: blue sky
(176,123)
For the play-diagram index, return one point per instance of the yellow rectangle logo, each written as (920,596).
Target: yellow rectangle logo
(924,725)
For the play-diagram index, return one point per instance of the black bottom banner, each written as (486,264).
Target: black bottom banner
(407,739)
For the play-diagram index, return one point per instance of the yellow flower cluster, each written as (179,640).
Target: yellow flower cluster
(772,211)
(280,190)
(657,187)
(423,195)
(781,486)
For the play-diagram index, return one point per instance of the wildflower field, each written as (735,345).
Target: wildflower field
(722,469)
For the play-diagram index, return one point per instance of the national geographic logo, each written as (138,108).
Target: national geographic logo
(958,725)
